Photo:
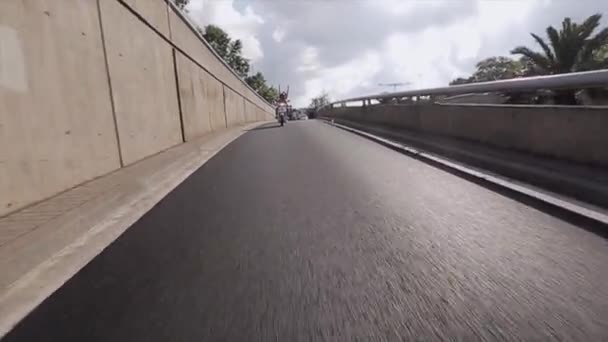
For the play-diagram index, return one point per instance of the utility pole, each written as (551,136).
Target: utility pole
(394,85)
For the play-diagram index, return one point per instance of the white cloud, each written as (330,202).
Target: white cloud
(340,81)
(241,25)
(347,47)
(278,35)
(309,60)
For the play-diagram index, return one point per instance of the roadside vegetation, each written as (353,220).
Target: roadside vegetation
(231,51)
(572,48)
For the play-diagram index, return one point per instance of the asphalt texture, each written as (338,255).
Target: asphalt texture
(308,232)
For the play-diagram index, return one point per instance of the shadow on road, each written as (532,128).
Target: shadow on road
(267,126)
(583,222)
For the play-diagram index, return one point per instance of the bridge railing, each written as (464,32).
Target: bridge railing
(577,80)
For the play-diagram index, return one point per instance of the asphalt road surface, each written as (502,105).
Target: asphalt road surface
(308,232)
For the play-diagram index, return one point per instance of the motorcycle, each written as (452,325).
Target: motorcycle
(283,106)
(281,113)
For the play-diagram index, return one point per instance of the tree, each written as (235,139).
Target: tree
(600,57)
(181,4)
(317,103)
(497,68)
(502,68)
(528,67)
(269,93)
(493,69)
(218,39)
(258,83)
(570,49)
(461,80)
(320,101)
(230,51)
(236,60)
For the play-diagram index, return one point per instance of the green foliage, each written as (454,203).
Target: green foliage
(600,57)
(236,60)
(218,39)
(269,93)
(461,80)
(258,83)
(572,48)
(495,68)
(319,101)
(181,4)
(231,51)
(316,104)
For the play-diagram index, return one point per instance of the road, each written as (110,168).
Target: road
(308,232)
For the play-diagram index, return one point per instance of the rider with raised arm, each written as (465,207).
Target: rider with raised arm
(283,106)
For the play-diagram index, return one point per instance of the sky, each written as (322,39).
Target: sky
(348,47)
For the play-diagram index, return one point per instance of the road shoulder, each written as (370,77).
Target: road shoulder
(44,245)
(490,169)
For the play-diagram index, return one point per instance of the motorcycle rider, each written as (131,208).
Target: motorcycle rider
(282,101)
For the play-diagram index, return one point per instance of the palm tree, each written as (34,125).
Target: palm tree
(571,49)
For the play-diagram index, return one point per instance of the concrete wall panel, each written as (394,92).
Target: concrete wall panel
(570,133)
(242,111)
(246,110)
(202,99)
(233,105)
(153,11)
(250,111)
(189,42)
(218,111)
(56,126)
(143,83)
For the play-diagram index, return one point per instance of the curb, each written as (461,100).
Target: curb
(75,237)
(581,188)
(578,208)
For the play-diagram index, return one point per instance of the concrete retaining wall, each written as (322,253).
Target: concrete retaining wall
(232,103)
(576,134)
(87,87)
(143,84)
(199,98)
(56,126)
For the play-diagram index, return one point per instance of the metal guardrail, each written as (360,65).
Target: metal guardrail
(577,80)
